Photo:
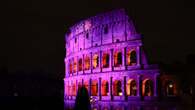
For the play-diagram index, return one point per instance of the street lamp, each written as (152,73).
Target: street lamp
(93,100)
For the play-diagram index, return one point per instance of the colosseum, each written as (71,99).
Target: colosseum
(105,54)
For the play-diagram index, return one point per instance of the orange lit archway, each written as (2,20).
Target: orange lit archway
(79,86)
(131,58)
(69,90)
(106,60)
(117,88)
(105,88)
(117,59)
(95,61)
(94,88)
(70,66)
(131,87)
(87,63)
(75,66)
(74,89)
(87,86)
(80,64)
(147,87)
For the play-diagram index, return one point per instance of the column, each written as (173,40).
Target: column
(71,89)
(91,62)
(100,61)
(76,87)
(72,66)
(125,87)
(112,60)
(77,65)
(155,84)
(138,55)
(100,83)
(90,87)
(68,90)
(82,82)
(123,57)
(138,85)
(68,68)
(83,64)
(111,94)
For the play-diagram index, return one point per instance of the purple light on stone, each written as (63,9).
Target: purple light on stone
(111,33)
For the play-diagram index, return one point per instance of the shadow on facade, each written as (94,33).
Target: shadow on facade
(82,100)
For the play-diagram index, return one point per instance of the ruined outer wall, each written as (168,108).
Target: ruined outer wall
(91,32)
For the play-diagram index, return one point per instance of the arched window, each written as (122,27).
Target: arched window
(95,61)
(79,86)
(75,66)
(105,60)
(131,58)
(70,67)
(117,59)
(80,64)
(117,88)
(170,88)
(87,63)
(106,29)
(94,88)
(191,91)
(74,89)
(87,86)
(131,88)
(147,87)
(69,90)
(105,88)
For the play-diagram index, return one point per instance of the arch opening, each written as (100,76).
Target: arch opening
(95,61)
(118,59)
(131,58)
(131,87)
(106,60)
(87,86)
(74,89)
(170,88)
(147,87)
(80,64)
(105,88)
(70,67)
(94,88)
(117,88)
(75,66)
(87,64)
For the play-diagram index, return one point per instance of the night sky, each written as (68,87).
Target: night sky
(32,31)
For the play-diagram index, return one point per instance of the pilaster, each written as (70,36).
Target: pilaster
(99,86)
(83,62)
(138,85)
(155,84)
(90,86)
(91,62)
(138,52)
(111,89)
(77,65)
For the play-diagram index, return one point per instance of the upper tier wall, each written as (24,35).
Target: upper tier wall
(106,28)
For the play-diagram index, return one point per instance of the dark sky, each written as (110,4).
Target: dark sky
(32,31)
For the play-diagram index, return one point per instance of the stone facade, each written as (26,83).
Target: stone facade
(105,54)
